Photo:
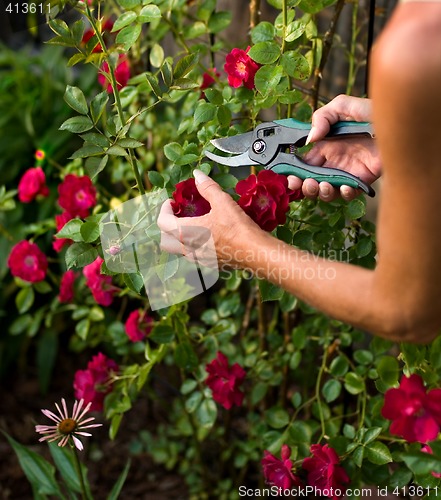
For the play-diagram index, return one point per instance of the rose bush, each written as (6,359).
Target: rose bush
(252,372)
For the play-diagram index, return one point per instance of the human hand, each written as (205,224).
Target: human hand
(226,225)
(358,156)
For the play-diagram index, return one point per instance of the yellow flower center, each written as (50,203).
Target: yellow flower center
(67,426)
(241,68)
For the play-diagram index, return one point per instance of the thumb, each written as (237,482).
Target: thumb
(207,187)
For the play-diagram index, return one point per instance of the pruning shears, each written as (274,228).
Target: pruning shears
(274,145)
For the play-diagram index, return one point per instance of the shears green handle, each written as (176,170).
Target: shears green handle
(334,176)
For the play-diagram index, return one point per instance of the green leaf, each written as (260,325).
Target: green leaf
(71,230)
(116,151)
(193,401)
(162,334)
(40,473)
(173,151)
(358,455)
(204,113)
(219,21)
(267,78)
(90,231)
(185,65)
(339,366)
(154,84)
(295,30)
(134,281)
(263,32)
(388,370)
(76,100)
(149,13)
(65,462)
(421,463)
(82,328)
(128,36)
(96,165)
(331,390)
(355,209)
(127,142)
(354,384)
(363,247)
(129,4)
(371,434)
(185,357)
(80,255)
(156,178)
(295,65)
(24,299)
(378,453)
(77,124)
(123,20)
(265,52)
(117,487)
(97,105)
(277,417)
(156,55)
(87,151)
(268,291)
(206,413)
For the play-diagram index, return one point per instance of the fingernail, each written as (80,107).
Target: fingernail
(311,190)
(325,190)
(199,176)
(308,139)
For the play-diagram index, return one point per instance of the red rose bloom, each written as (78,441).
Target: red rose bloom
(100,285)
(94,383)
(138,325)
(225,381)
(60,221)
(208,78)
(67,286)
(264,198)
(32,184)
(240,68)
(279,472)
(187,202)
(122,74)
(77,195)
(28,262)
(415,414)
(324,471)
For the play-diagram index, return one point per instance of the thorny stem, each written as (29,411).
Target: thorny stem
(327,44)
(77,463)
(117,97)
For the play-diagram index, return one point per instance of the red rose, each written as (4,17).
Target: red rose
(264,198)
(279,472)
(415,414)
(240,68)
(225,381)
(32,184)
(28,262)
(60,221)
(138,325)
(100,285)
(77,195)
(94,383)
(324,471)
(208,80)
(187,202)
(67,286)
(122,74)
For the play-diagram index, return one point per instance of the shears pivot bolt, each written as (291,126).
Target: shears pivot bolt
(259,146)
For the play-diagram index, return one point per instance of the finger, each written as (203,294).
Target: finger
(167,221)
(310,188)
(209,189)
(327,192)
(294,182)
(348,193)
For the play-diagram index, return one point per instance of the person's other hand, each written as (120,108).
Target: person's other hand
(358,156)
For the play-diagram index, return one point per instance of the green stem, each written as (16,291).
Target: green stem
(352,71)
(117,97)
(317,392)
(285,25)
(77,463)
